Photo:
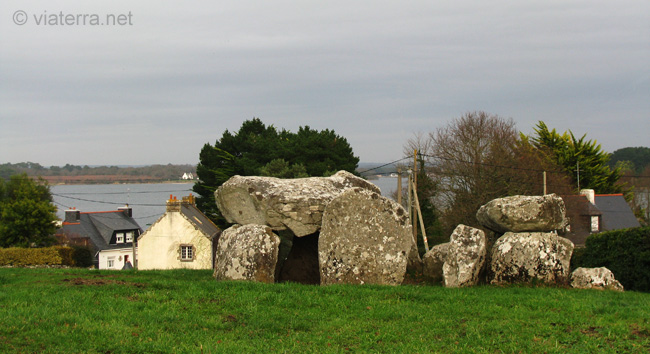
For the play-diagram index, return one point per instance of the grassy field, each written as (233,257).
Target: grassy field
(90,311)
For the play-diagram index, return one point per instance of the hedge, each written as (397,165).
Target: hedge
(57,255)
(625,252)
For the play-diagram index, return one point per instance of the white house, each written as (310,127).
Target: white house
(108,234)
(182,238)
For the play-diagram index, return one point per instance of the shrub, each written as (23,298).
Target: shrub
(21,257)
(70,256)
(625,252)
(81,257)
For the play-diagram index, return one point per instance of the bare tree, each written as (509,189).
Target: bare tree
(463,158)
(478,157)
(420,142)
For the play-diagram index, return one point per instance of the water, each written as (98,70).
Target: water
(146,200)
(388,185)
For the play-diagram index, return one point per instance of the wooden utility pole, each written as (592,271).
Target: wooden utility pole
(578,172)
(415,192)
(399,185)
(544,178)
(419,214)
(410,203)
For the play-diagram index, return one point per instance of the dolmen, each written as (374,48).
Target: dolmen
(361,237)
(527,249)
(340,230)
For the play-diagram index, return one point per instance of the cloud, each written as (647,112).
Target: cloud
(374,71)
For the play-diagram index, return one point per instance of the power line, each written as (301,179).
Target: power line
(492,165)
(384,165)
(65,206)
(149,216)
(131,192)
(105,202)
(511,167)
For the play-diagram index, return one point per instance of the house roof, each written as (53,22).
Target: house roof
(193,215)
(579,204)
(616,212)
(199,220)
(101,226)
(579,212)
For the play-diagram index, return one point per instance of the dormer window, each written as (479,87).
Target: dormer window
(129,236)
(119,237)
(595,224)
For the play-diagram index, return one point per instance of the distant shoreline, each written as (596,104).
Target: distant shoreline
(108,179)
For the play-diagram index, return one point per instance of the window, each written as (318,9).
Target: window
(595,227)
(129,236)
(119,237)
(110,262)
(187,253)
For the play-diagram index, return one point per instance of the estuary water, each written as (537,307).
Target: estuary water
(146,200)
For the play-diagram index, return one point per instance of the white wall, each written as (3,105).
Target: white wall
(158,247)
(118,257)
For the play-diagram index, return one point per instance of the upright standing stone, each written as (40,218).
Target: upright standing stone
(365,239)
(434,260)
(522,257)
(248,252)
(465,257)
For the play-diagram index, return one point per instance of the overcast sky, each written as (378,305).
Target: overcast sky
(175,75)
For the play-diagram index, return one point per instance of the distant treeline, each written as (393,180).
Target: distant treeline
(98,174)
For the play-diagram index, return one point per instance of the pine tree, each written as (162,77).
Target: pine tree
(257,149)
(583,159)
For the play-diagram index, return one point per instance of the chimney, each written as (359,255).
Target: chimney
(127,210)
(590,194)
(173,204)
(72,216)
(188,200)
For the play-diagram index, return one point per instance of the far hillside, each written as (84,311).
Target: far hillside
(72,174)
(636,159)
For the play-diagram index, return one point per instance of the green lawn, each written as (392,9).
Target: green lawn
(90,311)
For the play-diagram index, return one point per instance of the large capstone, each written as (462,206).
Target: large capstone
(524,257)
(521,213)
(248,252)
(294,204)
(465,257)
(365,239)
(595,278)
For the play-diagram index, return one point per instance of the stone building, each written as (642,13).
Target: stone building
(182,238)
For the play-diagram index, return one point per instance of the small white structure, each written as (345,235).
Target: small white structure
(182,238)
(115,258)
(188,175)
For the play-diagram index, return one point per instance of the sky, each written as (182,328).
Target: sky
(160,79)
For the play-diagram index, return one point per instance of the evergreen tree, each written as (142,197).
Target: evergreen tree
(281,169)
(257,149)
(583,159)
(27,214)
